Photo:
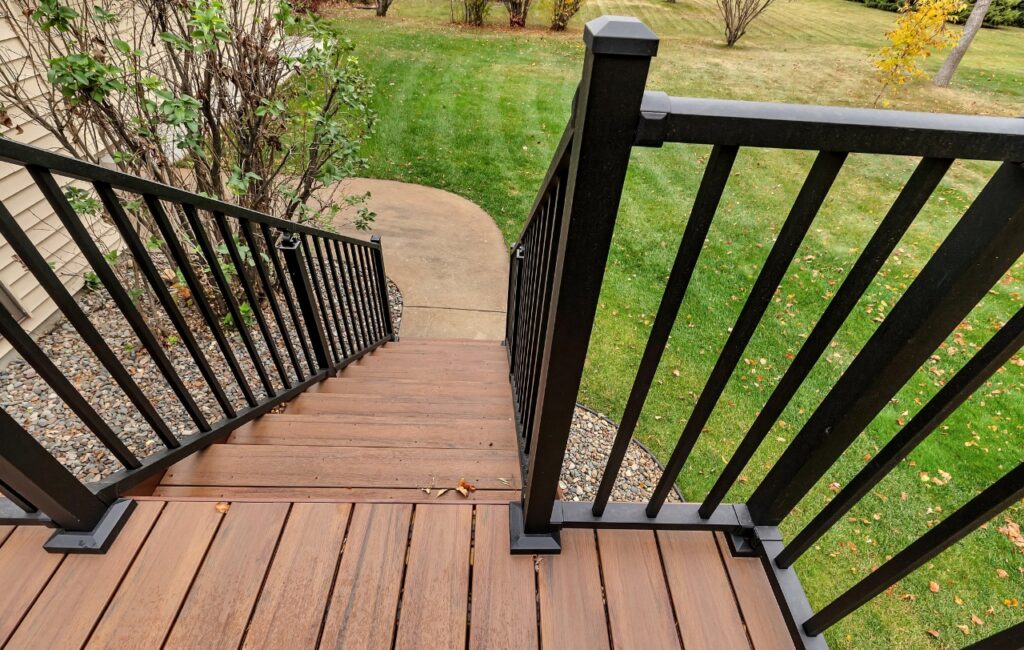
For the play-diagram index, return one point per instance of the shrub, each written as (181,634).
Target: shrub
(737,16)
(517,12)
(919,29)
(470,12)
(562,11)
(1002,13)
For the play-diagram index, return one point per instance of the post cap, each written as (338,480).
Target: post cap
(622,35)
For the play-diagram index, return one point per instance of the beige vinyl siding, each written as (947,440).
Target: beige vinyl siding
(20,196)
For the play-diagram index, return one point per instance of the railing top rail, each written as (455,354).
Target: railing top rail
(23,155)
(828,128)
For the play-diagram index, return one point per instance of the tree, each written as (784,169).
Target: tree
(971,27)
(470,12)
(920,28)
(562,11)
(214,96)
(737,16)
(517,11)
(383,6)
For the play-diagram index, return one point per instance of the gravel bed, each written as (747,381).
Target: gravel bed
(590,442)
(30,400)
(397,304)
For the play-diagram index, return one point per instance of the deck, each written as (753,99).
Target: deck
(314,528)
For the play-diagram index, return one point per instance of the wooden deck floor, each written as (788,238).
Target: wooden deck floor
(310,529)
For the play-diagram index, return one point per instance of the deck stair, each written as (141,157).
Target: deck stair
(404,423)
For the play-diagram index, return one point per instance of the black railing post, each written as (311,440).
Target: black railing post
(382,286)
(289,245)
(619,52)
(28,471)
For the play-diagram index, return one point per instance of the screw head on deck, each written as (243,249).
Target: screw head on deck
(621,35)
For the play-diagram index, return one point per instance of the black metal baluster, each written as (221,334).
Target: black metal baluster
(221,282)
(55,197)
(370,294)
(1003,345)
(347,297)
(195,288)
(350,273)
(344,309)
(311,276)
(705,205)
(268,291)
(34,261)
(330,296)
(978,251)
(290,245)
(994,499)
(250,295)
(52,375)
(149,270)
(819,181)
(1008,639)
(359,294)
(382,287)
(289,298)
(904,210)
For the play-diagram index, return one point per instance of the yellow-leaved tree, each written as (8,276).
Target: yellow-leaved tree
(921,27)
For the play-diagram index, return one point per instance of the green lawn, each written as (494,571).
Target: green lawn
(478,112)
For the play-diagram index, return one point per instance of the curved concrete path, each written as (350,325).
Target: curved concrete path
(445,254)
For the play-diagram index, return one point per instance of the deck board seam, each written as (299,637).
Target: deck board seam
(732,590)
(35,599)
(334,576)
(604,590)
(120,581)
(668,590)
(266,573)
(405,572)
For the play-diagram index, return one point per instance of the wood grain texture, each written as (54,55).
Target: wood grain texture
(569,585)
(81,588)
(355,386)
(25,568)
(142,611)
(5,531)
(365,597)
(435,598)
(291,466)
(291,606)
(323,431)
(758,605)
(639,611)
(356,495)
(504,611)
(708,615)
(221,599)
(328,404)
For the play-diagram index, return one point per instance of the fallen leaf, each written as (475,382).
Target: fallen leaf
(222,507)
(934,633)
(964,629)
(933,587)
(1002,573)
(976,619)
(441,492)
(465,488)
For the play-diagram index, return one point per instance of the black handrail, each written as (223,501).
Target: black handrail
(288,352)
(558,264)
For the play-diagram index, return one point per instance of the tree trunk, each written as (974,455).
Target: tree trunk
(971,27)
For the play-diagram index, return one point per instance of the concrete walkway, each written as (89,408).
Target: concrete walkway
(445,254)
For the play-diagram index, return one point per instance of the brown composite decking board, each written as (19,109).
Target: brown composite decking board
(294,466)
(24,571)
(503,613)
(699,584)
(142,611)
(572,613)
(235,565)
(357,495)
(436,592)
(307,530)
(364,603)
(290,609)
(326,403)
(639,608)
(424,387)
(323,431)
(758,606)
(79,591)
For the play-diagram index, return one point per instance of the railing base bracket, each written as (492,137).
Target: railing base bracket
(97,540)
(522,544)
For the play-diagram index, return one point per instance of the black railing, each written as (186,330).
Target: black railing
(559,263)
(303,303)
